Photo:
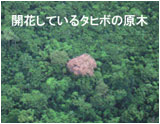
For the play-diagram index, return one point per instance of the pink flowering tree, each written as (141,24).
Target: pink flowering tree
(82,65)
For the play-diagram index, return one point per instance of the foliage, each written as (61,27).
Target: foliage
(37,87)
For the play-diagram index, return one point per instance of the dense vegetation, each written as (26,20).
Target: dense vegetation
(37,86)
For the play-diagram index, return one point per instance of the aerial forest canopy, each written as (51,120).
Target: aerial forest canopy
(119,84)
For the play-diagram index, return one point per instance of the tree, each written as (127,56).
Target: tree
(34,100)
(26,116)
(82,65)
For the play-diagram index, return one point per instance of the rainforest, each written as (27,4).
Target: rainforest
(120,85)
